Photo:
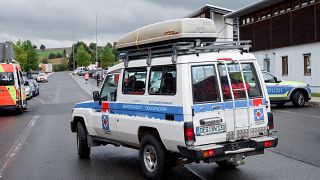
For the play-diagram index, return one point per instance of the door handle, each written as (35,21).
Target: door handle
(216,107)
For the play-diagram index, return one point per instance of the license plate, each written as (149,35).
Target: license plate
(214,129)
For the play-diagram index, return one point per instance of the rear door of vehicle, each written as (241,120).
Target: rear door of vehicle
(7,88)
(244,103)
(209,119)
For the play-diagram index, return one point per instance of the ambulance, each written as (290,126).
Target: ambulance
(179,96)
(12,92)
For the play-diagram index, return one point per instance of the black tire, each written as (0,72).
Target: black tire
(82,142)
(162,164)
(19,111)
(226,164)
(298,99)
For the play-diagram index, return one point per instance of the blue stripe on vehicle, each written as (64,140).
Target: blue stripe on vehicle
(139,110)
(223,105)
(279,89)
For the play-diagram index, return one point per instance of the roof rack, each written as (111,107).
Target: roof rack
(181,47)
(6,52)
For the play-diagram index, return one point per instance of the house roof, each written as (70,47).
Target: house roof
(216,9)
(253,8)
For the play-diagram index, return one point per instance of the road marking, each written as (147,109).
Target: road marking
(17,146)
(303,115)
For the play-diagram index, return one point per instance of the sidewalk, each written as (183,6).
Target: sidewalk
(88,87)
(314,101)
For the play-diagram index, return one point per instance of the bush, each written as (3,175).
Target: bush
(60,67)
(52,56)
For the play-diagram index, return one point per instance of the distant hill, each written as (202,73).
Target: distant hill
(45,54)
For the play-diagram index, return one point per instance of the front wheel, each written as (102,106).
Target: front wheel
(82,142)
(154,158)
(298,99)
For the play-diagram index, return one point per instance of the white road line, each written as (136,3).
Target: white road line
(17,146)
(299,114)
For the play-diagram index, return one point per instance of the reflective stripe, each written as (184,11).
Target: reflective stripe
(1,69)
(5,97)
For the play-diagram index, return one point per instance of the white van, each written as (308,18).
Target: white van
(179,97)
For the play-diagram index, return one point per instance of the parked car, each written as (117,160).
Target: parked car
(281,92)
(28,90)
(91,72)
(42,77)
(36,86)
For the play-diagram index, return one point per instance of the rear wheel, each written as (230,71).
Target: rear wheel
(298,99)
(154,158)
(82,142)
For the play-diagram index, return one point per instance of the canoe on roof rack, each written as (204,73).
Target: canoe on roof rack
(179,30)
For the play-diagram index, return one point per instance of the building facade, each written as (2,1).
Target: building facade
(285,37)
(225,26)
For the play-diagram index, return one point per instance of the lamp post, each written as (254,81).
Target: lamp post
(74,63)
(96,36)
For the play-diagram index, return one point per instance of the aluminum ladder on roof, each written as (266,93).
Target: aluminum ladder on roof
(233,98)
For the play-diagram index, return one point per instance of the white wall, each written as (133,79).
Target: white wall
(295,63)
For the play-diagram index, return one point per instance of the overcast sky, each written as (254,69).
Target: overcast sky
(52,22)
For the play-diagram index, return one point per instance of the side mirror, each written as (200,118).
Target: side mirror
(96,96)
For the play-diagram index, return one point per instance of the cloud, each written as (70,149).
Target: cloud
(52,23)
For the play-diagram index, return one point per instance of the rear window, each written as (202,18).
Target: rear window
(6,79)
(204,84)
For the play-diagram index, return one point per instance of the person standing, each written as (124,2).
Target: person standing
(86,77)
(98,79)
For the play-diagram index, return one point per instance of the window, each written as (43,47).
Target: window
(307,64)
(163,80)
(285,66)
(109,88)
(204,84)
(251,79)
(268,78)
(6,79)
(134,81)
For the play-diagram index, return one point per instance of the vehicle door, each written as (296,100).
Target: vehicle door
(209,118)
(276,91)
(7,90)
(104,121)
(244,103)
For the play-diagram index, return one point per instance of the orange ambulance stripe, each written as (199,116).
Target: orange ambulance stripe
(7,67)
(5,98)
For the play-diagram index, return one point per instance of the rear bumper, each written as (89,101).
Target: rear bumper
(251,147)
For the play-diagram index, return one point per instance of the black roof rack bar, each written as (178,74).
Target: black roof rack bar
(180,48)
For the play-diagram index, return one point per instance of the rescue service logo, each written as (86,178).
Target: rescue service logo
(258,116)
(105,123)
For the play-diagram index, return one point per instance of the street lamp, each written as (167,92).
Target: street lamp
(74,63)
(96,36)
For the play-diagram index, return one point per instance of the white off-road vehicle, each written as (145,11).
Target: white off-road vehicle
(179,96)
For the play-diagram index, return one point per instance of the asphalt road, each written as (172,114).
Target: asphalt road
(39,145)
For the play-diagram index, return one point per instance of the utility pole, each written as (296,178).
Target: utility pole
(74,63)
(96,37)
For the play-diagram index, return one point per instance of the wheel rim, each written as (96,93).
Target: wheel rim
(150,158)
(301,100)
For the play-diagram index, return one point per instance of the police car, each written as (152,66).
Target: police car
(179,96)
(281,92)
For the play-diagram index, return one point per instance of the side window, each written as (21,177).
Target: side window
(109,88)
(251,78)
(204,84)
(163,80)
(134,81)
(268,78)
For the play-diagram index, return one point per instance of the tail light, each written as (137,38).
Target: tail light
(189,133)
(270,120)
(268,144)
(17,94)
(208,153)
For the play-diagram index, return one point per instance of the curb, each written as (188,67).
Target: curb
(313,103)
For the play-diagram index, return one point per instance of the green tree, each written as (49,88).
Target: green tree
(107,57)
(83,58)
(26,55)
(76,46)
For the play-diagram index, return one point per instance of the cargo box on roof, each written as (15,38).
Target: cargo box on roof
(188,28)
